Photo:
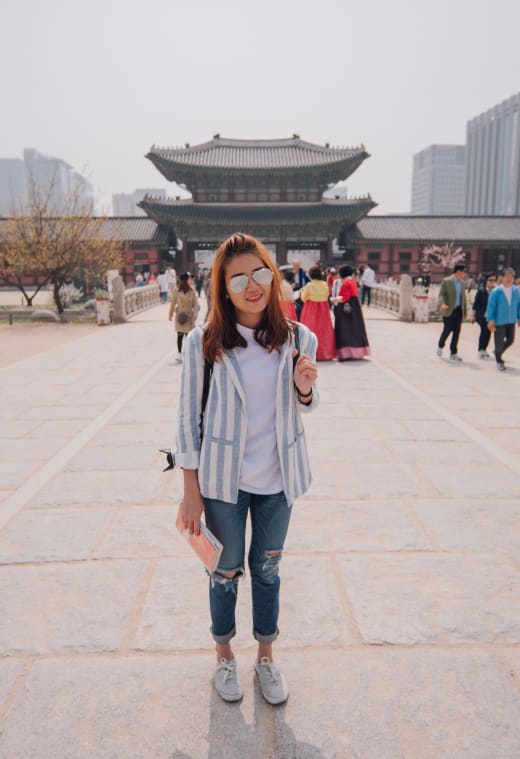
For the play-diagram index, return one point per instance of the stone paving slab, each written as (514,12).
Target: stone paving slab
(439,599)
(474,524)
(29,449)
(397,704)
(144,531)
(495,482)
(344,526)
(154,435)
(58,535)
(101,488)
(123,457)
(62,428)
(10,669)
(66,608)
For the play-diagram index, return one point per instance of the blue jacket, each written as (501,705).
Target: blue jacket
(499,310)
(219,456)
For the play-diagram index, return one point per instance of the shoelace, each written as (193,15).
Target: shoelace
(274,675)
(227,667)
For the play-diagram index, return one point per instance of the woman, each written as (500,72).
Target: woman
(252,456)
(316,313)
(185,304)
(288,295)
(349,325)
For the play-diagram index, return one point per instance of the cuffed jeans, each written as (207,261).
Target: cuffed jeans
(270,515)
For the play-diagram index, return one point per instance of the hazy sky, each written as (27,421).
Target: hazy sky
(97,82)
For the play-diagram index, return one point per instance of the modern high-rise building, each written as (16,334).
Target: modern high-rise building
(46,174)
(493,161)
(125,204)
(438,181)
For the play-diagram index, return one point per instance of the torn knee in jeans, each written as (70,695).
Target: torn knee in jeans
(270,565)
(228,579)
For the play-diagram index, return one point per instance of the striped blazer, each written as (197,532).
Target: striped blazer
(219,458)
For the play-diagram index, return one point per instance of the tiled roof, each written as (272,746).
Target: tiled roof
(131,228)
(224,153)
(257,213)
(134,228)
(437,228)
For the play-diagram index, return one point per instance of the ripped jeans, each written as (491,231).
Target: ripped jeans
(270,516)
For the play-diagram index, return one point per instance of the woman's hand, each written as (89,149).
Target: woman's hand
(305,373)
(192,504)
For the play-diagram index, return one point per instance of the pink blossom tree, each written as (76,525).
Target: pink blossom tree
(444,256)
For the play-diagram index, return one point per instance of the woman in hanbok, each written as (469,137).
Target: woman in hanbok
(349,325)
(316,314)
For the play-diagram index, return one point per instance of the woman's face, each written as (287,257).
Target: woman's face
(251,301)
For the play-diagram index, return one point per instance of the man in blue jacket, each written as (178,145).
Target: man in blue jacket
(503,314)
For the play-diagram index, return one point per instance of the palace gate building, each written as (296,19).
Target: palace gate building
(272,189)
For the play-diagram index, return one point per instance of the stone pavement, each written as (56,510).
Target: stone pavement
(400,621)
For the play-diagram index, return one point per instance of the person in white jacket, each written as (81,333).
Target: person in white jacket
(250,455)
(368,280)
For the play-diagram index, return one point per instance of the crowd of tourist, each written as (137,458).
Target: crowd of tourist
(326,300)
(329,302)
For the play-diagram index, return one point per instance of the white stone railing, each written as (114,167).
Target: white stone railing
(386,296)
(133,300)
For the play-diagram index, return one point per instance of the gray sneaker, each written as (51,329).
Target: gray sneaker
(439,352)
(226,680)
(501,366)
(272,683)
(455,357)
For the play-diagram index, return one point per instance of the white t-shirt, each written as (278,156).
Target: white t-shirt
(259,369)
(508,292)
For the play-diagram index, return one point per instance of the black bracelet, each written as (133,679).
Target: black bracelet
(303,395)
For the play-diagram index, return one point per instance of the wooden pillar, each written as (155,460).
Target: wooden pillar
(329,249)
(281,251)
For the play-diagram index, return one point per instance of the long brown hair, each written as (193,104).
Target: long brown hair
(221,332)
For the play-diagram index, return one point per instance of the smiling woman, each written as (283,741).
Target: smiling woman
(250,456)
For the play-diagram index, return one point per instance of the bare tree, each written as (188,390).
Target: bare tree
(56,240)
(445,256)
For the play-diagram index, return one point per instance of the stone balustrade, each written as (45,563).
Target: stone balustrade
(133,300)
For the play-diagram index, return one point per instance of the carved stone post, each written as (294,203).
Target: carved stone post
(405,298)
(118,291)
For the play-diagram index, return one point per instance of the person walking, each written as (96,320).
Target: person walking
(250,455)
(316,313)
(478,312)
(300,280)
(185,305)
(453,307)
(349,326)
(503,314)
(163,286)
(368,280)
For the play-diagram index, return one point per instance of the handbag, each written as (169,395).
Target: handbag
(347,308)
(182,318)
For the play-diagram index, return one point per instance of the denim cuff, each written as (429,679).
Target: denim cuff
(223,639)
(266,638)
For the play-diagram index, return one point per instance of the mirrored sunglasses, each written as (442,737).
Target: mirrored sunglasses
(239,282)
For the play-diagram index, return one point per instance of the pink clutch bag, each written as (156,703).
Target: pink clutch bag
(205,545)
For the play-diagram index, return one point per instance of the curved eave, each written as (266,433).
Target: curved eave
(254,214)
(184,173)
